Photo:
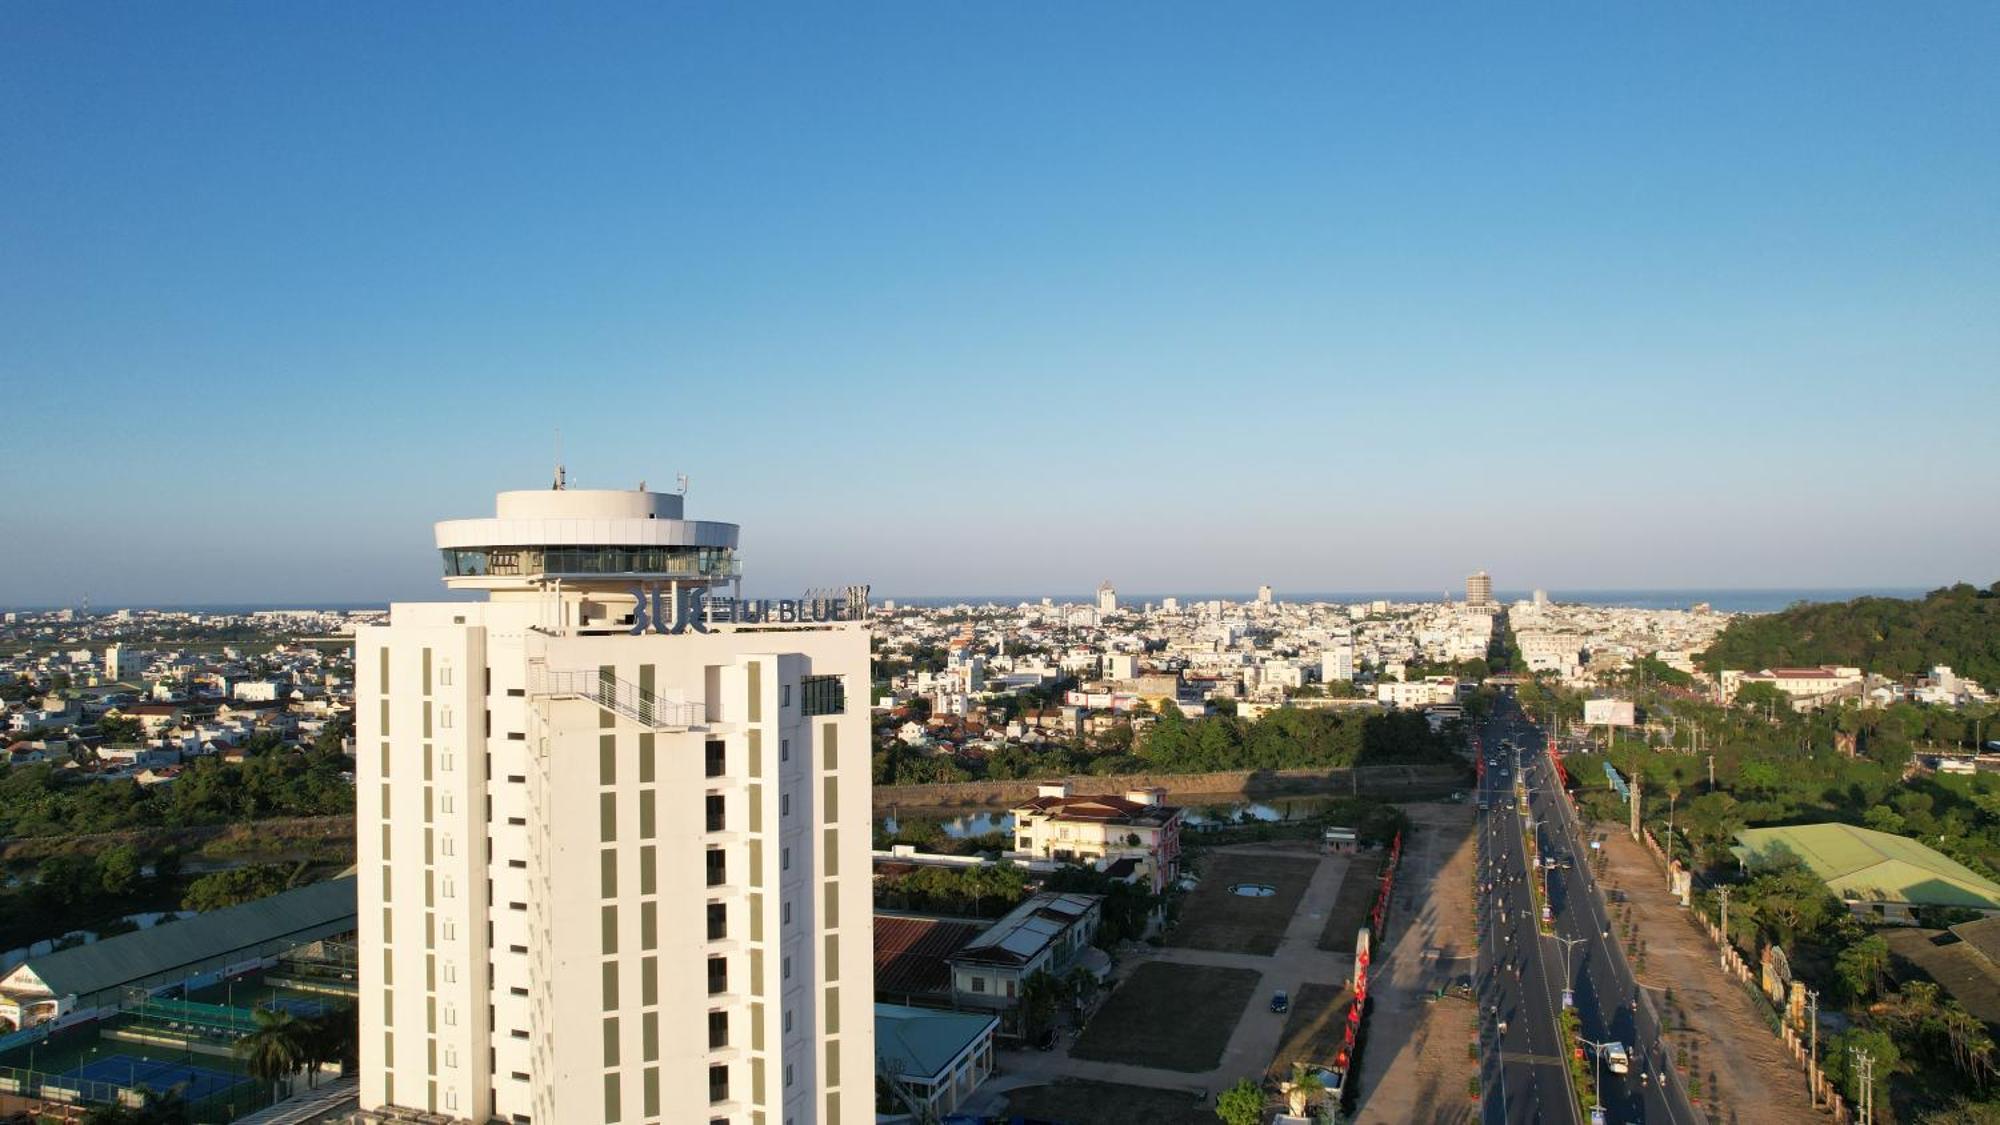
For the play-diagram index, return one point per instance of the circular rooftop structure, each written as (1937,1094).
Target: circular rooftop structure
(583,535)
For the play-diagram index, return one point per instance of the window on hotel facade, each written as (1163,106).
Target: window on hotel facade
(823,695)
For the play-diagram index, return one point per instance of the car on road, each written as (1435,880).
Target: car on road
(1281,1001)
(1616,1059)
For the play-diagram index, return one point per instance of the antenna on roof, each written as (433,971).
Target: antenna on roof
(562,476)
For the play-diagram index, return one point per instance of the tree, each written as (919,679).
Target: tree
(154,1108)
(1241,1104)
(120,730)
(1305,1088)
(277,1048)
(1840,1068)
(118,869)
(1040,995)
(1082,985)
(235,886)
(1863,966)
(334,1037)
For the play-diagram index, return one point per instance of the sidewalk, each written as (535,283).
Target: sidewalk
(1745,1073)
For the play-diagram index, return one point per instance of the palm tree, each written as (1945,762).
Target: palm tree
(331,1037)
(1305,1088)
(277,1049)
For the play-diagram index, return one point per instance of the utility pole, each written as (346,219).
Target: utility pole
(1711,773)
(1812,1052)
(1864,1068)
(1723,893)
(1635,787)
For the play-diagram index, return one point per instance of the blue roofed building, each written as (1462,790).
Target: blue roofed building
(935,1059)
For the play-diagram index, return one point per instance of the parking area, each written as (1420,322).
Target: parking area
(1169,1017)
(1220,916)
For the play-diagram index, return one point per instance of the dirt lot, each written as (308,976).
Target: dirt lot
(1215,918)
(1745,1073)
(1358,889)
(1080,1101)
(1169,1016)
(1414,1061)
(1314,1029)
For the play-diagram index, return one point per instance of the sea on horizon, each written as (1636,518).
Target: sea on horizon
(1723,600)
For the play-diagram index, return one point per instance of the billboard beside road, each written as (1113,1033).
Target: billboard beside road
(1608,713)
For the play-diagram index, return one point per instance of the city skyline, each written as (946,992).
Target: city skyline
(305,281)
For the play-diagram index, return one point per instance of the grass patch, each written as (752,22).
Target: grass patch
(1358,889)
(1315,1029)
(1171,1017)
(1214,917)
(1077,1101)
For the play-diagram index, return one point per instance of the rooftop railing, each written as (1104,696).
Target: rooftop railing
(621,697)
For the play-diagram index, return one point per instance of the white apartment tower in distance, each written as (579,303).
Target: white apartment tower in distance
(1107,599)
(613,832)
(1479,588)
(1264,594)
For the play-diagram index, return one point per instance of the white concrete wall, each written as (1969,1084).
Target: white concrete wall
(655,1059)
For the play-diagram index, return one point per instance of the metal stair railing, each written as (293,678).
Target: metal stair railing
(620,697)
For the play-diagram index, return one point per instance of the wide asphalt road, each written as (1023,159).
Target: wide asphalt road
(1610,1005)
(1524,1079)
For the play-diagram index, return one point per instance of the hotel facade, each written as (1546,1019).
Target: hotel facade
(613,831)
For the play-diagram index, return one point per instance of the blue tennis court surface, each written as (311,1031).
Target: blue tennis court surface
(298,1006)
(129,1071)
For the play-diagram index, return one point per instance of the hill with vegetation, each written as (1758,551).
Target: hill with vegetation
(1957,625)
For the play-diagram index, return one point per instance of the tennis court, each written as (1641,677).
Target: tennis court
(132,1071)
(299,1006)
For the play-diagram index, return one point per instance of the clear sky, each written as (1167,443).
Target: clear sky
(1005,297)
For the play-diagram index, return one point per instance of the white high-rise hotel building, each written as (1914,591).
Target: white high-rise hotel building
(613,832)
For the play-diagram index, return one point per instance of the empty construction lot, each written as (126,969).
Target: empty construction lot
(1216,917)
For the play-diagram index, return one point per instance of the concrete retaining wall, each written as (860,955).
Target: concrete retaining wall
(1374,780)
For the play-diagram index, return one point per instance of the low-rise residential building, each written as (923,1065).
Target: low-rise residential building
(933,1060)
(1806,686)
(1047,932)
(1418,693)
(1102,830)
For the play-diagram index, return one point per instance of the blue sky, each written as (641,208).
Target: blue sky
(963,298)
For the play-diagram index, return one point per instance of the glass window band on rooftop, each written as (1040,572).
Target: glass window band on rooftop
(564,562)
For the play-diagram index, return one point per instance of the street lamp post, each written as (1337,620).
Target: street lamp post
(1597,1084)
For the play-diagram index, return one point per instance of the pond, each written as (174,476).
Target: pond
(960,824)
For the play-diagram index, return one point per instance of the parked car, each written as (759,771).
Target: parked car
(1281,1001)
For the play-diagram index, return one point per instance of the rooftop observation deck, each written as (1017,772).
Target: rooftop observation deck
(591,535)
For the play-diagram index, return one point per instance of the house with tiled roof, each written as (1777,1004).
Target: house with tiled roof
(913,954)
(1099,830)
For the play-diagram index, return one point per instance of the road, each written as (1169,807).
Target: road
(1525,1080)
(1610,1005)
